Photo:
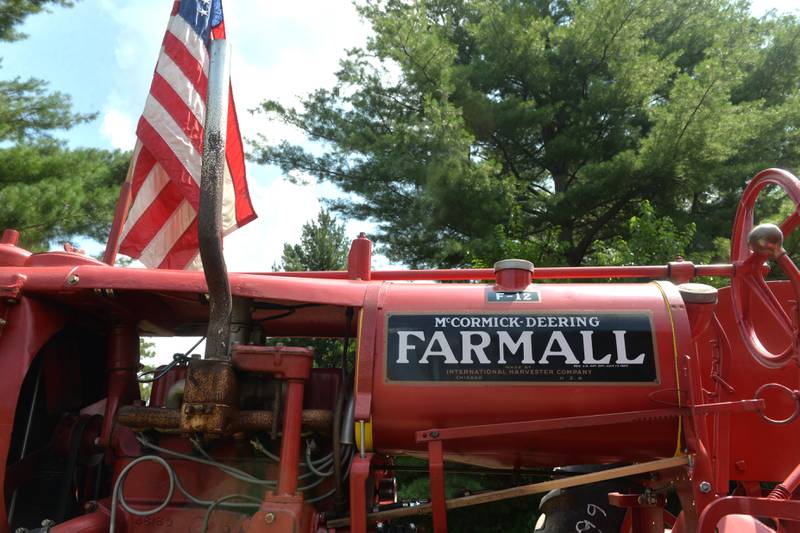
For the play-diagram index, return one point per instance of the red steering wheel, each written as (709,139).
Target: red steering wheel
(751,248)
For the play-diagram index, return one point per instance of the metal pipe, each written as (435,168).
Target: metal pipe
(26,437)
(142,418)
(336,444)
(120,216)
(210,214)
(475,274)
(290,441)
(348,424)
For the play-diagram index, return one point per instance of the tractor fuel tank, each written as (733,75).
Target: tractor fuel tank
(454,355)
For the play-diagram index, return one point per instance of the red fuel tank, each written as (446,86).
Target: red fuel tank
(454,355)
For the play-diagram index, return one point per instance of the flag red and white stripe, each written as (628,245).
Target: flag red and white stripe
(161,226)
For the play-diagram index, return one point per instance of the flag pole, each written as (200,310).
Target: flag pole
(120,215)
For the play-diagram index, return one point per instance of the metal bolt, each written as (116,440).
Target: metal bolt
(73,279)
(269,518)
(705,487)
(3,322)
(434,434)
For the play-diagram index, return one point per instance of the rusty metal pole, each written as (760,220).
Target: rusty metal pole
(210,214)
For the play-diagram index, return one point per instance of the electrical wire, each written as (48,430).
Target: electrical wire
(321,497)
(311,466)
(118,496)
(241,475)
(333,490)
(218,501)
(235,473)
(289,310)
(177,359)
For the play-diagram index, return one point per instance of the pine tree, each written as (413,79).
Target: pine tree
(471,128)
(49,191)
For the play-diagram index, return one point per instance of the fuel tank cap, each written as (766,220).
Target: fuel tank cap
(698,293)
(518,264)
(513,275)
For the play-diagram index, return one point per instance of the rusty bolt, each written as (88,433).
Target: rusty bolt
(705,487)
(73,279)
(90,507)
(269,518)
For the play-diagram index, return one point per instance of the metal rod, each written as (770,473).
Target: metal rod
(26,438)
(120,216)
(290,441)
(210,214)
(475,274)
(525,490)
(362,441)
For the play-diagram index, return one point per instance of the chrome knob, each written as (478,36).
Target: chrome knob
(766,240)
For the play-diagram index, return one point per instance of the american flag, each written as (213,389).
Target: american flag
(164,175)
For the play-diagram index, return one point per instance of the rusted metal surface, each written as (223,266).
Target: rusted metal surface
(142,418)
(209,216)
(169,420)
(210,399)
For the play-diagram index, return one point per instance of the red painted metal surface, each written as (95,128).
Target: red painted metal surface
(401,409)
(29,325)
(723,385)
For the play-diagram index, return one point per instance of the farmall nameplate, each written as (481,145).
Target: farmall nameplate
(592,347)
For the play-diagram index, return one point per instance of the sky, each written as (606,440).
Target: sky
(102,53)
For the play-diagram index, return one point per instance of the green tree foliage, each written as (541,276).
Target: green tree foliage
(146,351)
(468,128)
(323,246)
(14,12)
(48,191)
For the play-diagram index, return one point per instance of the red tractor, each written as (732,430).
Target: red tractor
(623,394)
(635,390)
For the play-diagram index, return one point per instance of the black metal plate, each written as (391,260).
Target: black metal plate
(575,347)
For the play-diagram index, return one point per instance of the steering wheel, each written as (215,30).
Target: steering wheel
(764,243)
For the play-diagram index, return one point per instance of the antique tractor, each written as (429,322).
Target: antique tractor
(635,390)
(621,394)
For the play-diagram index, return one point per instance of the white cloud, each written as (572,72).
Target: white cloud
(118,128)
(282,209)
